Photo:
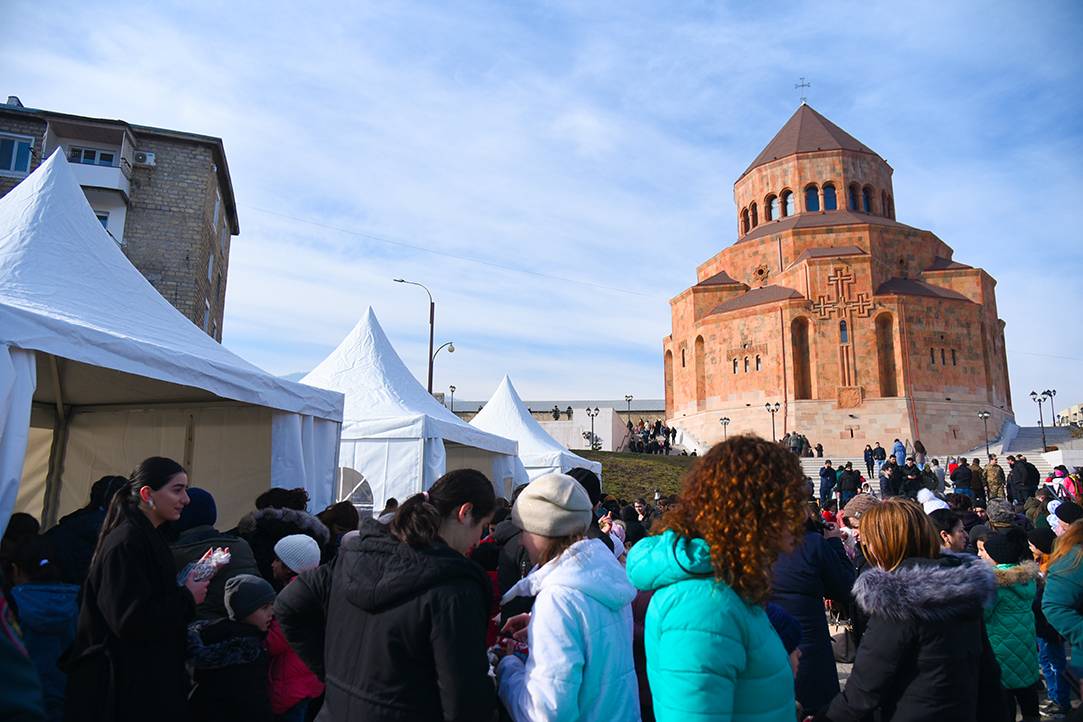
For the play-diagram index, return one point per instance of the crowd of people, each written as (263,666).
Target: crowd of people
(566,604)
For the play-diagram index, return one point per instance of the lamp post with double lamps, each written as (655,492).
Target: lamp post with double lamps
(592,415)
(725,421)
(432,325)
(452,398)
(774,410)
(984,416)
(1052,412)
(628,398)
(1039,399)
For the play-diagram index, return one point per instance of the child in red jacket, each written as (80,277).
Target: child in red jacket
(292,683)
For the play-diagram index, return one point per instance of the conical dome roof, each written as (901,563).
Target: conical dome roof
(807,131)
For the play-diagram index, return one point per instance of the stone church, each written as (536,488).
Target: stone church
(860,328)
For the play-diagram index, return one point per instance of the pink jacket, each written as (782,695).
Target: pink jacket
(291,681)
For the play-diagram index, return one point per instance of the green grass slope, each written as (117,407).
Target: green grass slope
(627,476)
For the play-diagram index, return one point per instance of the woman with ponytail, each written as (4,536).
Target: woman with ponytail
(409,610)
(127,660)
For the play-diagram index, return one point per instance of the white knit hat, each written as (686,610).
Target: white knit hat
(299,552)
(553,505)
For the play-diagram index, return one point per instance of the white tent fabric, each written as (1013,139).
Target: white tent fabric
(122,375)
(507,415)
(395,435)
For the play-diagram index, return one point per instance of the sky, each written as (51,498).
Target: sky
(554,172)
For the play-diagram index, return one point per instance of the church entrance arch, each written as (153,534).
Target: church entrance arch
(885,353)
(802,365)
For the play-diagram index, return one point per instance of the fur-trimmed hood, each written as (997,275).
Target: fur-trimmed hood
(1010,575)
(305,522)
(221,643)
(928,590)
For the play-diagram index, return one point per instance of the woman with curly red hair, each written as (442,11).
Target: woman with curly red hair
(711,650)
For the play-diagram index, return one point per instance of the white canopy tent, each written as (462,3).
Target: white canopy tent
(98,371)
(396,437)
(507,415)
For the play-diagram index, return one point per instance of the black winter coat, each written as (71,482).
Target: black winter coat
(925,654)
(127,660)
(263,528)
(230,669)
(74,539)
(408,638)
(849,480)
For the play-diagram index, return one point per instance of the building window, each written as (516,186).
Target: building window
(932,356)
(953,357)
(217,205)
(210,268)
(682,358)
(103,218)
(787,204)
(853,196)
(92,156)
(830,204)
(15,154)
(755,216)
(943,360)
(735,366)
(772,208)
(812,198)
(883,202)
(759,365)
(844,337)
(746,364)
(866,200)
(218,290)
(225,237)
(745,227)
(206,315)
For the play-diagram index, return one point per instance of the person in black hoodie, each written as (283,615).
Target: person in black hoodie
(75,536)
(396,626)
(849,483)
(228,658)
(925,654)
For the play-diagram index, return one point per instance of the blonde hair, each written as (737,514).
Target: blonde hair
(898,529)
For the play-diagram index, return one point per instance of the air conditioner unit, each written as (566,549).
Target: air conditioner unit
(142,158)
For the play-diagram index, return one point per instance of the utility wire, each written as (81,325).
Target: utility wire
(451,255)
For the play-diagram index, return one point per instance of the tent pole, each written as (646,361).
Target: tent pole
(51,505)
(189,442)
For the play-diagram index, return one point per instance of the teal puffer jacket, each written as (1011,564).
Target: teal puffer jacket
(1062,600)
(1010,624)
(710,655)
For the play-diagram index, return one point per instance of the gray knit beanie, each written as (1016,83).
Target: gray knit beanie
(553,505)
(245,593)
(1000,511)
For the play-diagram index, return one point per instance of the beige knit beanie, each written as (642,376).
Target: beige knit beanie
(553,505)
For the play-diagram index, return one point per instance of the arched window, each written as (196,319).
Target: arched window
(802,367)
(682,358)
(854,192)
(866,199)
(812,198)
(943,360)
(787,204)
(830,204)
(932,356)
(883,202)
(891,207)
(953,357)
(746,364)
(701,372)
(758,364)
(755,216)
(771,214)
(745,227)
(844,337)
(734,365)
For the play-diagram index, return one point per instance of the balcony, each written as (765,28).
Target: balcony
(102,176)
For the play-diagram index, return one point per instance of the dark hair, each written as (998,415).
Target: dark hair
(589,481)
(343,514)
(278,498)
(418,519)
(36,558)
(945,520)
(101,493)
(960,502)
(154,472)
(21,524)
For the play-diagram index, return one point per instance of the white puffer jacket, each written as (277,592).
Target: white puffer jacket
(580,665)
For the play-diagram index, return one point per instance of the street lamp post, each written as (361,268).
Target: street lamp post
(984,416)
(592,415)
(725,421)
(628,398)
(432,325)
(774,410)
(1038,399)
(1051,393)
(452,398)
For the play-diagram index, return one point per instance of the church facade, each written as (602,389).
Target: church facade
(860,328)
